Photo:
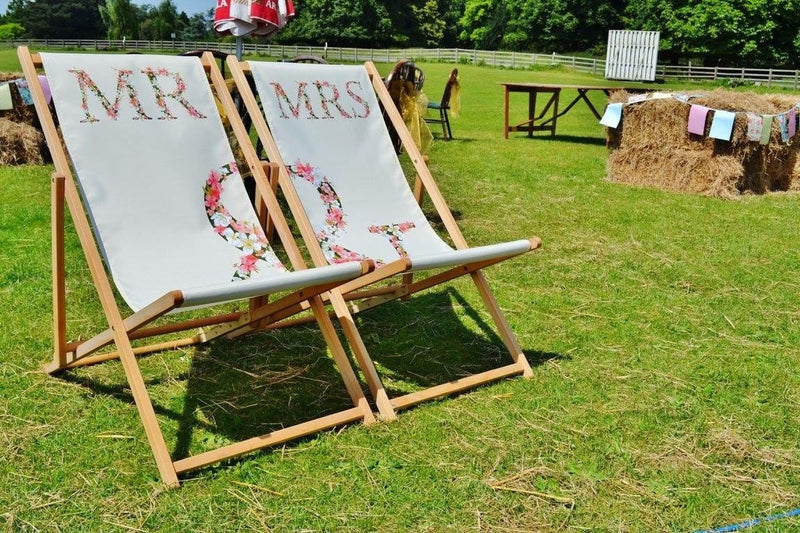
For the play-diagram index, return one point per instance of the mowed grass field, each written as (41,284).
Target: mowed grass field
(663,330)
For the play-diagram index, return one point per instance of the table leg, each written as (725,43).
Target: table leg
(532,94)
(505,114)
(555,113)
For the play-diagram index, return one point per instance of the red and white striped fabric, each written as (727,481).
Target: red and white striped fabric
(252,17)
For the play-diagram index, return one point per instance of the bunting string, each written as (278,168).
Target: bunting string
(758,125)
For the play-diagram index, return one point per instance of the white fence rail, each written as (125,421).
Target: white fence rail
(788,79)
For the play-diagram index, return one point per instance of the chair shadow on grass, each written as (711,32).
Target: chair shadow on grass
(250,386)
(434,338)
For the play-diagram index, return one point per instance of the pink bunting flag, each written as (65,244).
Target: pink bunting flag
(697,119)
(755,126)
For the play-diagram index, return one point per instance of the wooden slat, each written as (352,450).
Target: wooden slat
(59,271)
(271,439)
(454,387)
(157,309)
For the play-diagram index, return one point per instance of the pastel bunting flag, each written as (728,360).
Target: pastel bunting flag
(755,125)
(784,125)
(45,87)
(612,115)
(722,125)
(5,97)
(697,119)
(767,129)
(24,91)
(792,122)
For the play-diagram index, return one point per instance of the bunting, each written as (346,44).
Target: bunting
(759,125)
(5,97)
(7,103)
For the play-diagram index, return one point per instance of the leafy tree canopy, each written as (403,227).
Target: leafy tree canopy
(764,33)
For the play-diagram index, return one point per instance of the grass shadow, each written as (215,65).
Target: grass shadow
(233,389)
(257,384)
(575,139)
(431,339)
(237,389)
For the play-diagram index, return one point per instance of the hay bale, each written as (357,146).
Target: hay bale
(652,147)
(20,144)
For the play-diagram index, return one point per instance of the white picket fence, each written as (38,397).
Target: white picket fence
(788,79)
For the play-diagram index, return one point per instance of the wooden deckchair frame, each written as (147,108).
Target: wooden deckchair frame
(122,331)
(353,297)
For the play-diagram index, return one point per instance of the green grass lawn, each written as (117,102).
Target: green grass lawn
(664,331)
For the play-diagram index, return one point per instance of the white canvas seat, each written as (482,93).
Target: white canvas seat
(158,202)
(346,188)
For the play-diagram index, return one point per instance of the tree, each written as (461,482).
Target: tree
(483,23)
(539,25)
(60,19)
(120,19)
(15,9)
(198,26)
(727,32)
(161,22)
(11,30)
(341,23)
(429,23)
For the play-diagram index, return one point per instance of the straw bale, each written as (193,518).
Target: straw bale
(20,144)
(652,147)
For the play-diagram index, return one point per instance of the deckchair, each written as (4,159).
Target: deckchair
(159,207)
(350,198)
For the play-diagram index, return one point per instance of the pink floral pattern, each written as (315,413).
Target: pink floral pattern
(323,87)
(394,233)
(335,221)
(246,236)
(161,98)
(301,95)
(87,85)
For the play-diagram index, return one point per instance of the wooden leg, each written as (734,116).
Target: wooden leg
(59,271)
(340,357)
(502,325)
(379,394)
(146,412)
